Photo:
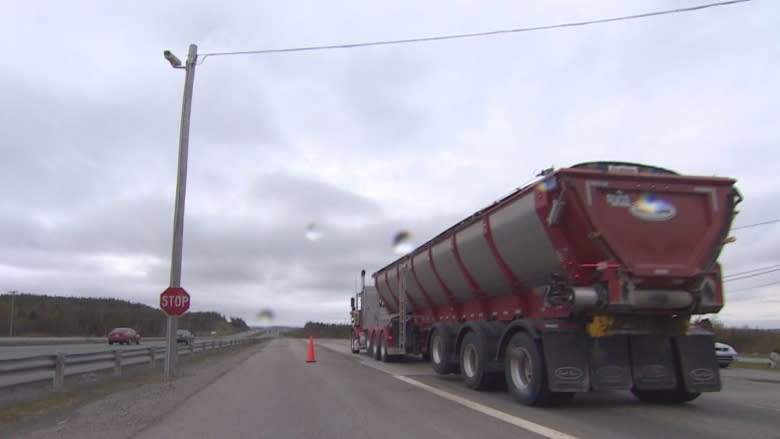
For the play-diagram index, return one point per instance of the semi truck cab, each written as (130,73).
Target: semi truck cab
(367,311)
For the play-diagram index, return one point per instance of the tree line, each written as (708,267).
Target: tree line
(43,315)
(322,330)
(745,340)
(748,341)
(53,316)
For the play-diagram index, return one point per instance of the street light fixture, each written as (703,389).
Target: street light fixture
(175,62)
(181,189)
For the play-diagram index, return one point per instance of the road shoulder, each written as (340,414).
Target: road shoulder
(122,407)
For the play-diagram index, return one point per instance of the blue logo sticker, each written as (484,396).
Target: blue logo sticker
(548,184)
(649,208)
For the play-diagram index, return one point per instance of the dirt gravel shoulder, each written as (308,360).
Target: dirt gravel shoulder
(121,407)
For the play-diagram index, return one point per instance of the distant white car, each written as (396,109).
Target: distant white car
(725,353)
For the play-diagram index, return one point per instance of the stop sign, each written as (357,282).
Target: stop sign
(174,301)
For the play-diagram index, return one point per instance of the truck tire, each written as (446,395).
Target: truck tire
(441,351)
(473,363)
(370,341)
(378,345)
(383,355)
(526,377)
(354,343)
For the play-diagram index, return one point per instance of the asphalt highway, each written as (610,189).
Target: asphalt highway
(276,393)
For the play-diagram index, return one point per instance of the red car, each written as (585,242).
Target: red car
(124,336)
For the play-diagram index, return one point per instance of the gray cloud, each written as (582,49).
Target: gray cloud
(361,142)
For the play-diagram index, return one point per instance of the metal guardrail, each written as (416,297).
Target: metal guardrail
(58,366)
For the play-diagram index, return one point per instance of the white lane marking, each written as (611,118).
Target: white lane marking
(497,414)
(763,406)
(514,420)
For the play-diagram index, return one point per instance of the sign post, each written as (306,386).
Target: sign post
(178,215)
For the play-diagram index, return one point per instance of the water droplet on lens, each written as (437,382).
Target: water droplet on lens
(265,315)
(313,233)
(402,242)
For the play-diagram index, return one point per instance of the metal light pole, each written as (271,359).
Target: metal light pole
(181,189)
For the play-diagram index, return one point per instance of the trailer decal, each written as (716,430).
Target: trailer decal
(650,208)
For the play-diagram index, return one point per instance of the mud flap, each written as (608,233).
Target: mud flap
(698,364)
(653,362)
(566,358)
(610,364)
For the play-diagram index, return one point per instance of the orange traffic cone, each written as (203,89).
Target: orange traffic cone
(310,356)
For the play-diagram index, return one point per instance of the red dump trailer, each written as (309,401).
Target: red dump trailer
(585,280)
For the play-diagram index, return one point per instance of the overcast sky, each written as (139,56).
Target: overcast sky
(361,142)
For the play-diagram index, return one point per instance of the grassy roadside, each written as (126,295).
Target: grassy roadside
(78,393)
(18,412)
(754,366)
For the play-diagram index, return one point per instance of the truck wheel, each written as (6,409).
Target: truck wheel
(526,377)
(370,341)
(473,362)
(441,351)
(378,345)
(671,396)
(383,356)
(355,343)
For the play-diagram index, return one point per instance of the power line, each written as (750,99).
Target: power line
(475,34)
(754,288)
(748,276)
(738,274)
(757,224)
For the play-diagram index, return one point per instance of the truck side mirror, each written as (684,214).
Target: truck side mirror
(352,303)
